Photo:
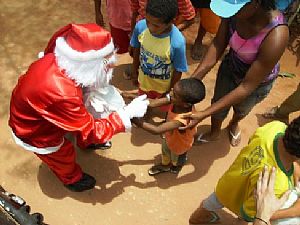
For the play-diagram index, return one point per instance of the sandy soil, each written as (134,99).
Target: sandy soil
(125,194)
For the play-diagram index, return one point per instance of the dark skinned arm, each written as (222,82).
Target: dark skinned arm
(135,65)
(214,52)
(133,20)
(160,129)
(98,13)
(176,76)
(158,102)
(153,103)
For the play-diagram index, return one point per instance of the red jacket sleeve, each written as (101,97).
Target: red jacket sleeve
(71,115)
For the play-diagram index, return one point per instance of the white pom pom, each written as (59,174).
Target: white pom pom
(41,55)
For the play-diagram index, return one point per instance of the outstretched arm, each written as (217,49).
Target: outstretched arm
(214,52)
(160,129)
(98,13)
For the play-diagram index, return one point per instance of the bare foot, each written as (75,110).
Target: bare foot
(234,134)
(272,113)
(206,137)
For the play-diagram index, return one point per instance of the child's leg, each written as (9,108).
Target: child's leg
(197,47)
(176,165)
(209,22)
(164,166)
(166,154)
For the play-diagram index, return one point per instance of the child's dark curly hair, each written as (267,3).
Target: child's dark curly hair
(163,9)
(192,90)
(291,139)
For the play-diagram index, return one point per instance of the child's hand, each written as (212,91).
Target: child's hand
(129,94)
(137,121)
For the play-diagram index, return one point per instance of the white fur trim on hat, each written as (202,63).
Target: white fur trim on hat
(66,50)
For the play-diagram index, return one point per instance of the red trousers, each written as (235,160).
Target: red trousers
(121,39)
(63,163)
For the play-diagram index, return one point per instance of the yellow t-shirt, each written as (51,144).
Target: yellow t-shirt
(155,54)
(235,188)
(159,57)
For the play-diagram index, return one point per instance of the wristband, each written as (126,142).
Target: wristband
(257,218)
(168,97)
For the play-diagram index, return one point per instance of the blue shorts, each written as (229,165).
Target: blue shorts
(225,83)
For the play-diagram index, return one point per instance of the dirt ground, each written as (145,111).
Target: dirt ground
(125,194)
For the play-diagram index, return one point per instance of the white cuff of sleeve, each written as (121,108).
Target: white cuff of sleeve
(168,97)
(41,55)
(125,119)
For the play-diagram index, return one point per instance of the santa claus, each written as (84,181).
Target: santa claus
(48,101)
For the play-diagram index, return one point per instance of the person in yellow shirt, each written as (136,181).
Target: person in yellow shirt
(273,145)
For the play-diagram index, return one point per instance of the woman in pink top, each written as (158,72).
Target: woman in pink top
(119,18)
(257,36)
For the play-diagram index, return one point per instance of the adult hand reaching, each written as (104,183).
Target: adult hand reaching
(194,118)
(266,201)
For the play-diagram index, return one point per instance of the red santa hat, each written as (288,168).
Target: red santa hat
(81,42)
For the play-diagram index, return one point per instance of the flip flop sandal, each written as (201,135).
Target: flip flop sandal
(157,169)
(200,140)
(235,139)
(215,219)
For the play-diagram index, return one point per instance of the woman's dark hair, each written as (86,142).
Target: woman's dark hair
(267,5)
(291,138)
(192,90)
(166,10)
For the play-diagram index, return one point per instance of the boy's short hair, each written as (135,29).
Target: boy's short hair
(163,9)
(192,90)
(291,138)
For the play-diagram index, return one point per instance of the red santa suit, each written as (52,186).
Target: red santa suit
(46,104)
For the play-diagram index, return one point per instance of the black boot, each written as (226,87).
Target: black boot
(103,146)
(85,183)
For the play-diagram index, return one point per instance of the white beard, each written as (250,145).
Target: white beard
(92,73)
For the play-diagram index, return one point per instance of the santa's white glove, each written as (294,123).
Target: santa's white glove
(137,107)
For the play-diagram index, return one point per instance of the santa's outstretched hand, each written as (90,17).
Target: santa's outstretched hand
(136,108)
